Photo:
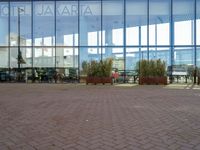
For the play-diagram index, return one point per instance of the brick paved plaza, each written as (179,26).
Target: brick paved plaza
(79,117)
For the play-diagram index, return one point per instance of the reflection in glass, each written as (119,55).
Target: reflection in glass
(159,12)
(67,57)
(198,56)
(67,23)
(113,22)
(43,31)
(136,21)
(132,57)
(161,53)
(117,54)
(184,55)
(4,24)
(44,57)
(25,54)
(89,54)
(90,23)
(3,57)
(183,16)
(20,15)
(198,31)
(54,38)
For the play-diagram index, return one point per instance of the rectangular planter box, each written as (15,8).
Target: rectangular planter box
(153,80)
(96,80)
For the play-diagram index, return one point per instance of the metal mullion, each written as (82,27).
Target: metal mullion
(195,36)
(32,65)
(9,64)
(55,32)
(139,36)
(171,39)
(124,39)
(78,40)
(156,40)
(147,29)
(101,29)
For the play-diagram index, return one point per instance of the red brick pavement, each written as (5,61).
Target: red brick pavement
(77,117)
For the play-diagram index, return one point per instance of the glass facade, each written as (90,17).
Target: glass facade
(59,35)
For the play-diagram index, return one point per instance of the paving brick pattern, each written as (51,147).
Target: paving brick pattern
(77,117)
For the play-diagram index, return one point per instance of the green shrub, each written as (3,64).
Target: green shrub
(161,68)
(151,68)
(99,69)
(84,68)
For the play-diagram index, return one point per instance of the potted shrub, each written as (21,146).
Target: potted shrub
(152,72)
(99,72)
(83,73)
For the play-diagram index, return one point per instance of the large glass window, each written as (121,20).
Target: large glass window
(67,23)
(63,23)
(136,22)
(4,24)
(20,23)
(132,57)
(198,56)
(4,63)
(183,55)
(117,55)
(159,22)
(3,57)
(90,23)
(89,54)
(44,23)
(161,53)
(44,57)
(113,22)
(67,57)
(183,15)
(132,36)
(26,55)
(143,53)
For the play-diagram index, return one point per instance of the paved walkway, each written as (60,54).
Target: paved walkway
(79,117)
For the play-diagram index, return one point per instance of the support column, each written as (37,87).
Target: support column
(171,42)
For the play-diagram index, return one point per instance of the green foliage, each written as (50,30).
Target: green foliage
(99,69)
(161,68)
(106,67)
(151,68)
(84,67)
